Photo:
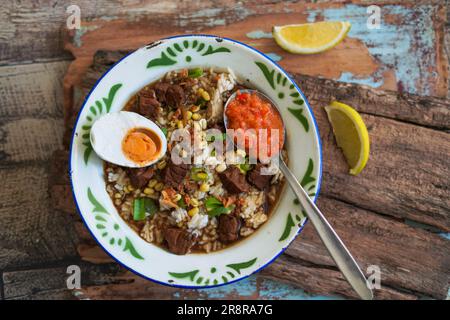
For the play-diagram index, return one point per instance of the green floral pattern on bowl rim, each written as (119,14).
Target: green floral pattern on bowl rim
(110,94)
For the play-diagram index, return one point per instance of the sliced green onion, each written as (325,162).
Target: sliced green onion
(212,202)
(181,203)
(143,207)
(245,167)
(150,206)
(214,207)
(195,73)
(138,209)
(220,210)
(164,130)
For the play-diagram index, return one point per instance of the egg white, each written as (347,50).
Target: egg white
(108,132)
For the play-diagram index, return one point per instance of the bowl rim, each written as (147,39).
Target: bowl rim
(319,145)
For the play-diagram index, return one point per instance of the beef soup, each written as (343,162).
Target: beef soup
(192,208)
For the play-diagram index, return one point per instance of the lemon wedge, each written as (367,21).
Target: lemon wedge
(351,134)
(310,38)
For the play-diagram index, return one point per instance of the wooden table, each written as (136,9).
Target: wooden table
(395,214)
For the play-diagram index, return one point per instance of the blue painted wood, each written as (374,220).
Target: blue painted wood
(405,43)
(397,46)
(254,288)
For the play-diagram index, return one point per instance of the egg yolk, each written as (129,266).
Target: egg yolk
(139,147)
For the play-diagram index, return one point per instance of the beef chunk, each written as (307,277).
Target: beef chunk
(257,179)
(160,90)
(179,241)
(147,104)
(175,95)
(233,180)
(174,174)
(139,177)
(229,226)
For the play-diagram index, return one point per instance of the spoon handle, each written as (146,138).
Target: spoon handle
(333,243)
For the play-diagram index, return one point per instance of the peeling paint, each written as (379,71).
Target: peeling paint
(372,81)
(275,57)
(445,235)
(212,17)
(259,34)
(244,288)
(270,290)
(79,34)
(407,48)
(253,288)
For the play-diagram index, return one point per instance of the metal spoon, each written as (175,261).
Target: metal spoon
(338,251)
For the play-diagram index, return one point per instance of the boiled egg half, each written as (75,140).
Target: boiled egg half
(128,139)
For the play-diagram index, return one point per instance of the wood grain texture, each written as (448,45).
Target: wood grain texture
(368,210)
(30,233)
(404,254)
(41,229)
(31,125)
(31,31)
(44,283)
(393,183)
(32,90)
(362,57)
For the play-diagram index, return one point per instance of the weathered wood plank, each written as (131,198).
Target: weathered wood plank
(46,283)
(18,38)
(403,254)
(413,254)
(30,233)
(406,176)
(360,58)
(30,130)
(29,139)
(431,112)
(397,146)
(32,90)
(30,32)
(31,118)
(320,280)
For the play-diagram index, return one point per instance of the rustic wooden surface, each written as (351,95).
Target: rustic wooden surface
(398,207)
(360,208)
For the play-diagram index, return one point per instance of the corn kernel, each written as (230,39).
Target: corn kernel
(202,176)
(193,211)
(117,202)
(149,191)
(159,186)
(195,108)
(180,124)
(204,187)
(177,197)
(152,183)
(130,187)
(196,116)
(205,95)
(188,115)
(161,165)
(125,189)
(194,202)
(221,167)
(117,195)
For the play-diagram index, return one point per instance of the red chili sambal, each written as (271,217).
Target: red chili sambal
(250,111)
